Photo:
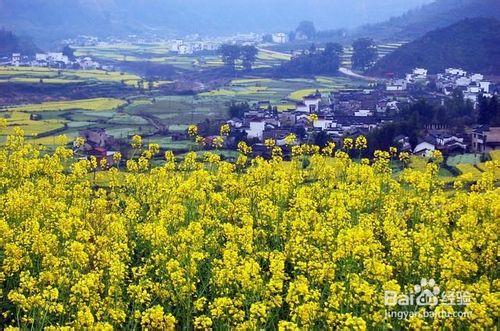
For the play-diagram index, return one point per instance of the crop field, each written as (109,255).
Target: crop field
(179,111)
(32,75)
(98,104)
(159,53)
(70,117)
(176,112)
(293,89)
(199,243)
(30,127)
(418,162)
(495,155)
(464,159)
(469,169)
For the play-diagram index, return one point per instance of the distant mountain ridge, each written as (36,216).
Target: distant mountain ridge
(440,13)
(58,19)
(471,44)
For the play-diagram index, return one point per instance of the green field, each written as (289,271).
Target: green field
(30,127)
(159,53)
(97,104)
(69,117)
(32,75)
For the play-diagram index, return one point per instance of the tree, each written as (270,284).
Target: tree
(306,29)
(489,111)
(267,38)
(248,56)
(238,110)
(69,52)
(333,49)
(321,139)
(364,54)
(230,53)
(314,63)
(312,49)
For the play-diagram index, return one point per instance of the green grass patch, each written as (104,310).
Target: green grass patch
(97,104)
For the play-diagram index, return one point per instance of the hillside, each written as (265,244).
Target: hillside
(472,44)
(417,22)
(10,43)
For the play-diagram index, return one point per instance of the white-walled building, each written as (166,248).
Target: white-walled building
(324,123)
(417,75)
(363,112)
(312,102)
(424,149)
(279,38)
(16,59)
(396,85)
(256,129)
(455,72)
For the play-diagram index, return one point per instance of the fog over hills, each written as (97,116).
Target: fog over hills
(47,20)
(421,20)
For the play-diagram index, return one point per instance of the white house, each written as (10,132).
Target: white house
(396,85)
(463,81)
(363,113)
(456,72)
(58,57)
(16,59)
(324,123)
(485,86)
(424,149)
(184,49)
(418,74)
(256,129)
(87,63)
(473,89)
(174,45)
(476,77)
(279,38)
(312,102)
(40,57)
(472,96)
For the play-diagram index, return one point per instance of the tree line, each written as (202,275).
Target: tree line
(232,53)
(456,112)
(314,62)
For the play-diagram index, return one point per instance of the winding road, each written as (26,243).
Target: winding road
(350,73)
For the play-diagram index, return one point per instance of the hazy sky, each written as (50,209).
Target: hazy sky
(68,17)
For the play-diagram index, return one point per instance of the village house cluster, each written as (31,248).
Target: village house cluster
(52,60)
(342,113)
(472,85)
(351,112)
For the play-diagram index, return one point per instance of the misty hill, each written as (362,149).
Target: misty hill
(441,13)
(471,44)
(10,43)
(56,19)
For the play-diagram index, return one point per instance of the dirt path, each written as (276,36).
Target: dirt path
(350,73)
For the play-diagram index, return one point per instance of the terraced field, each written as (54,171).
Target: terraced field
(383,50)
(159,53)
(42,122)
(31,128)
(471,165)
(98,104)
(33,75)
